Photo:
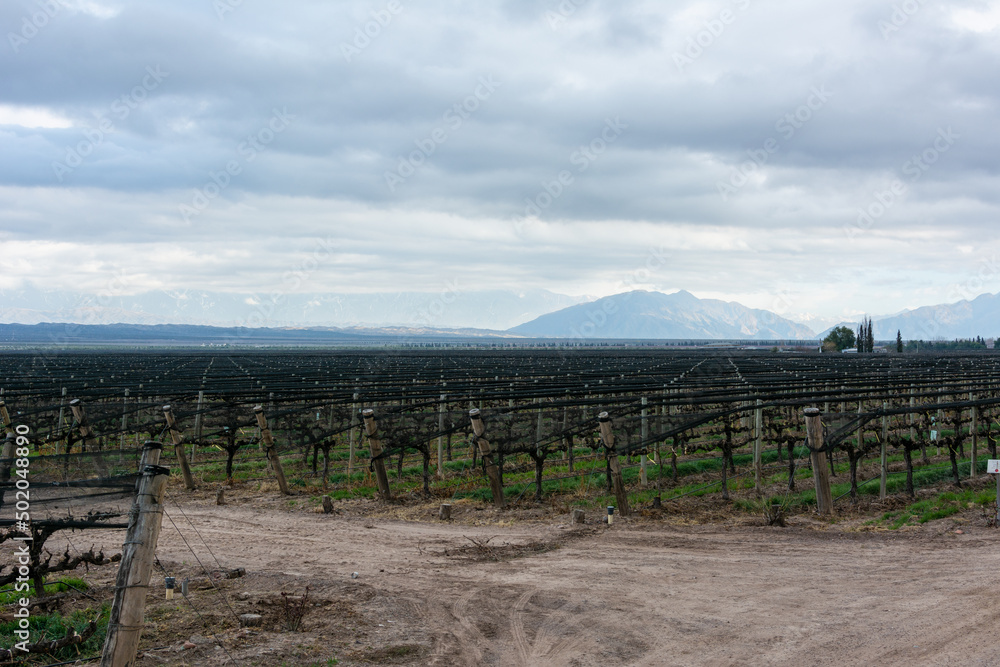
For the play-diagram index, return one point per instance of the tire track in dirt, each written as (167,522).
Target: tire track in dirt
(632,594)
(557,637)
(521,644)
(547,645)
(939,639)
(465,643)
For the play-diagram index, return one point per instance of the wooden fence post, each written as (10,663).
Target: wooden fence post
(643,481)
(178,440)
(884,453)
(89,441)
(975,437)
(758,415)
(538,446)
(350,436)
(486,452)
(567,438)
(375,447)
(269,449)
(821,472)
(62,412)
(9,446)
(604,422)
(121,438)
(440,465)
(8,426)
(939,427)
(125,624)
(198,422)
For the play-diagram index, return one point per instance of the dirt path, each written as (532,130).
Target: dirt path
(642,593)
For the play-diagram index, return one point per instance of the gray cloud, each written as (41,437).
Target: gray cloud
(702,87)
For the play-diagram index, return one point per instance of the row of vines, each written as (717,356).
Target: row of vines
(738,414)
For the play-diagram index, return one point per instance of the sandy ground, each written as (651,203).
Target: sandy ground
(640,592)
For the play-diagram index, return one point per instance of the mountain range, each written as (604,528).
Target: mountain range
(535,313)
(652,315)
(962,319)
(451,307)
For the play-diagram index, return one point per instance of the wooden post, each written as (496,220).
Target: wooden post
(861,433)
(642,457)
(197,423)
(568,439)
(121,439)
(178,440)
(440,465)
(270,450)
(974,432)
(821,471)
(9,445)
(62,412)
(125,624)
(375,446)
(8,426)
(566,451)
(539,461)
(350,436)
(884,454)
(617,484)
(758,431)
(939,427)
(975,437)
(486,452)
(89,442)
(445,512)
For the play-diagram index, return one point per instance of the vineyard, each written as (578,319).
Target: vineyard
(645,431)
(670,412)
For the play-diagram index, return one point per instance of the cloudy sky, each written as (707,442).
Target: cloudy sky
(802,156)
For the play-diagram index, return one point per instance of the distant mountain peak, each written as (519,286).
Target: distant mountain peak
(945,321)
(642,314)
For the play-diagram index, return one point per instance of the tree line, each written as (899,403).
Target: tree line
(863,340)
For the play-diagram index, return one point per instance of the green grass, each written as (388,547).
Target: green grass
(699,474)
(51,588)
(356,492)
(54,626)
(940,506)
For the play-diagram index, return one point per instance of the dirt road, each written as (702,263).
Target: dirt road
(635,593)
